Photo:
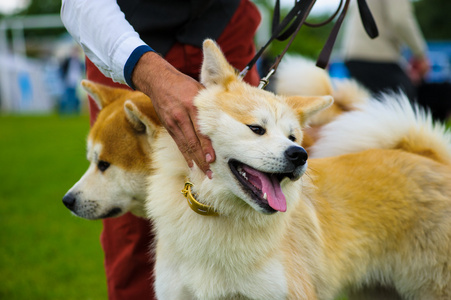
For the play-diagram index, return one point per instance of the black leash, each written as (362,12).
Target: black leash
(292,23)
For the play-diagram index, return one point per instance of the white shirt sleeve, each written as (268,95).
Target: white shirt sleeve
(101,29)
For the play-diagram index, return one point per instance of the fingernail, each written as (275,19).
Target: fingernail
(209,174)
(208,158)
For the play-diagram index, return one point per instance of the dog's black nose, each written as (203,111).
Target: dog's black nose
(69,200)
(297,155)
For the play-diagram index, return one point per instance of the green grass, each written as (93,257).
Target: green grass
(45,252)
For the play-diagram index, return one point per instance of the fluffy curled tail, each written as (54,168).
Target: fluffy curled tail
(390,123)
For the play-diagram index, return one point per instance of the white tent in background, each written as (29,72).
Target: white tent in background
(23,86)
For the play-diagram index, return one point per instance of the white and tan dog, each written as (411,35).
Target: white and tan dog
(282,230)
(119,152)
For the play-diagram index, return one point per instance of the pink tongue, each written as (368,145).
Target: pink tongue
(269,185)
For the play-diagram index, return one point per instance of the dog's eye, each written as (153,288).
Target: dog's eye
(103,165)
(292,138)
(257,129)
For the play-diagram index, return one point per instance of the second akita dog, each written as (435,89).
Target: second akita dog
(119,153)
(379,216)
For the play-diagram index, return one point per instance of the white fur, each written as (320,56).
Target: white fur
(297,75)
(379,124)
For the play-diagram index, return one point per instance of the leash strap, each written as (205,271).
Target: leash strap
(297,16)
(368,23)
(291,31)
(324,56)
(295,12)
(367,19)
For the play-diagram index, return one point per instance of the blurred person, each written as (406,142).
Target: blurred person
(155,47)
(71,73)
(378,63)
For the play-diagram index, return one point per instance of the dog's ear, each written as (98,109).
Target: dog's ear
(215,68)
(103,95)
(306,107)
(139,120)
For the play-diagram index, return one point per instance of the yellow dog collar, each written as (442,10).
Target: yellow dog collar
(195,205)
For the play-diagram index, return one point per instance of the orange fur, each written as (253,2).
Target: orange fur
(113,124)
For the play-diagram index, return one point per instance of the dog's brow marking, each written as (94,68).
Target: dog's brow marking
(97,149)
(89,150)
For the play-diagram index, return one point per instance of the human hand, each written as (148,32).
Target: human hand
(419,67)
(172,94)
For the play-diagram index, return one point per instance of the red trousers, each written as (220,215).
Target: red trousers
(126,240)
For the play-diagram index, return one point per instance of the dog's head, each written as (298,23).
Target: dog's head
(256,134)
(118,149)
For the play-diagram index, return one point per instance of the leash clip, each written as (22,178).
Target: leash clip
(265,80)
(243,73)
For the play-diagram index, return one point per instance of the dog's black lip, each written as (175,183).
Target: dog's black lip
(114,212)
(253,192)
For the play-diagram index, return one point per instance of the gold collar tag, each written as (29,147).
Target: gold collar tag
(195,205)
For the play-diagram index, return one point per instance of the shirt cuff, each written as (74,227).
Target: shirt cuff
(132,61)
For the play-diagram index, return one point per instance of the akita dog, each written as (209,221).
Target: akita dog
(269,226)
(119,150)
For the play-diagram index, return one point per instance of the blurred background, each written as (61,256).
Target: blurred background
(45,252)
(41,65)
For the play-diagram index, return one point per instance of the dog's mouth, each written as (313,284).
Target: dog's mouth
(114,212)
(263,188)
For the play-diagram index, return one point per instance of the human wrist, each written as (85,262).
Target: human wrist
(133,60)
(153,73)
